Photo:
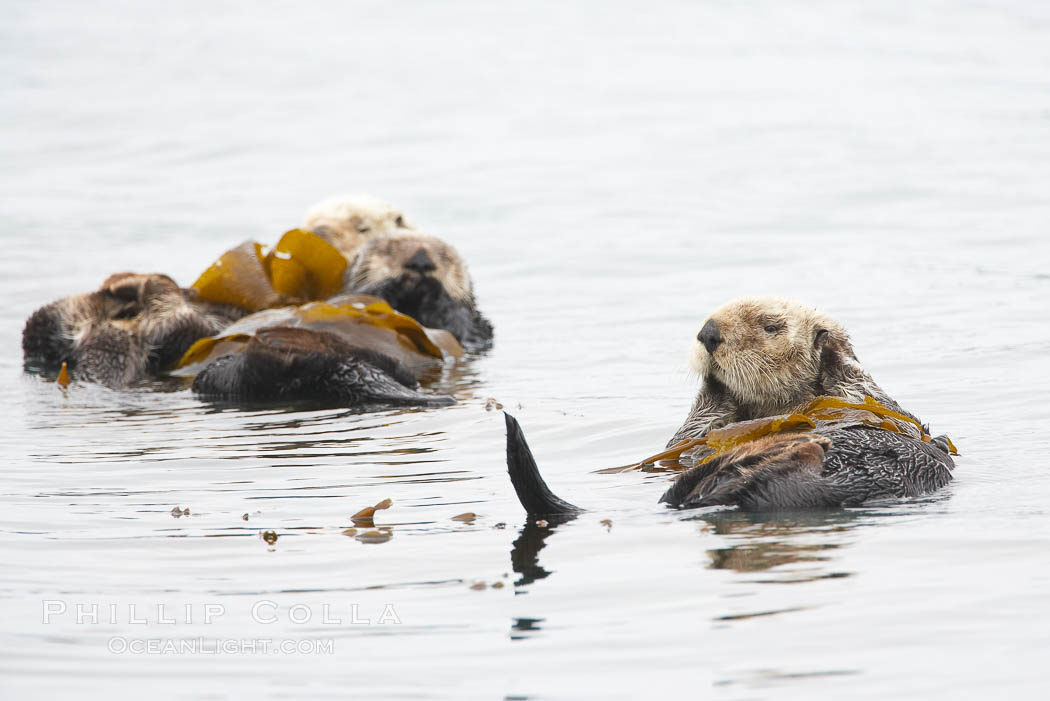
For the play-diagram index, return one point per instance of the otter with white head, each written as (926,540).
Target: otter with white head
(765,357)
(424,277)
(348,221)
(761,356)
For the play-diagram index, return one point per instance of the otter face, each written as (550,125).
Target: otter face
(348,221)
(423,277)
(767,351)
(410,262)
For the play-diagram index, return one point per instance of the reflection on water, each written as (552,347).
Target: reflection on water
(761,542)
(525,553)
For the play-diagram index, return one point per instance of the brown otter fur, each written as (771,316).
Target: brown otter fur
(761,356)
(132,327)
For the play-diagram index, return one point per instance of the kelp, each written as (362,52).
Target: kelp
(821,412)
(304,266)
(363,321)
(301,267)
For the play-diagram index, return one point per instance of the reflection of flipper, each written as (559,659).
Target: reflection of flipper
(291,363)
(532,491)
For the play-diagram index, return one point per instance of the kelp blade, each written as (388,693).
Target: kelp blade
(306,267)
(239,278)
(819,412)
(362,321)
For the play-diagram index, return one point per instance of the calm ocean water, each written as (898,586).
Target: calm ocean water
(612,173)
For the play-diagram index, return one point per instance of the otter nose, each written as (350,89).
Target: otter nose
(420,262)
(709,336)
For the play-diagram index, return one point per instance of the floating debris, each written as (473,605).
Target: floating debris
(478,586)
(492,405)
(468,517)
(270,537)
(500,526)
(497,585)
(179,513)
(375,537)
(607,523)
(363,518)
(350,532)
(244,517)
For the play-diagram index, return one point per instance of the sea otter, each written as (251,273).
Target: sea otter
(764,357)
(347,221)
(133,327)
(424,277)
(418,275)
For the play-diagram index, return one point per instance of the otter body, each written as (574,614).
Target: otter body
(283,363)
(761,357)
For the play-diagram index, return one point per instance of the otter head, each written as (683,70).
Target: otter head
(771,354)
(348,221)
(424,277)
(403,267)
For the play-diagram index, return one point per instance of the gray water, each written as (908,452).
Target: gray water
(612,173)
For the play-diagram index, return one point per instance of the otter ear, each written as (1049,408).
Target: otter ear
(839,371)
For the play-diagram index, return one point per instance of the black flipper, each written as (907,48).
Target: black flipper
(532,491)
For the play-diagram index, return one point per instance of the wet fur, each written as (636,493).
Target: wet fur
(439,298)
(284,363)
(829,468)
(133,327)
(756,373)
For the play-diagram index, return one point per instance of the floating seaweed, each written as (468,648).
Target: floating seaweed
(821,412)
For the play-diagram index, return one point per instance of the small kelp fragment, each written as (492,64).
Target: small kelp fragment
(244,517)
(350,532)
(239,278)
(497,585)
(179,513)
(492,405)
(269,536)
(363,518)
(375,537)
(304,266)
(478,586)
(467,517)
(63,376)
(500,526)
(607,523)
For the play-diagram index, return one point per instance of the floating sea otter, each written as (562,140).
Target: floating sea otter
(137,326)
(420,277)
(786,418)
